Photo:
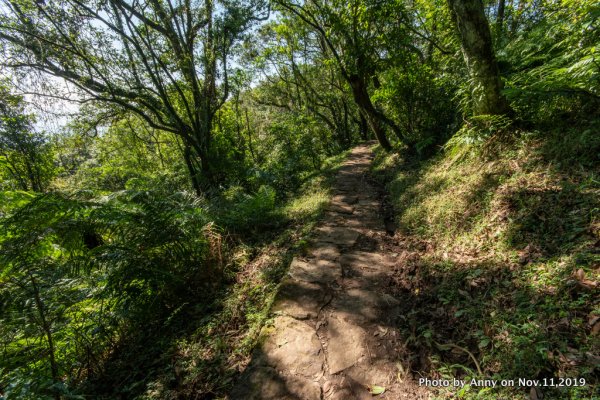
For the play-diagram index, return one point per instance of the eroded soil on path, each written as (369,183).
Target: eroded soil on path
(333,334)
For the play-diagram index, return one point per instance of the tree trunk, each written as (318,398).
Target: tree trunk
(500,19)
(33,179)
(47,331)
(250,147)
(192,169)
(346,128)
(364,127)
(366,108)
(430,46)
(477,49)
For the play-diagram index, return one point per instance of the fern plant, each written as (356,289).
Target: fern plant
(75,272)
(556,64)
(480,135)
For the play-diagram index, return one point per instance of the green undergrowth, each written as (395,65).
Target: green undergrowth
(205,363)
(503,236)
(143,294)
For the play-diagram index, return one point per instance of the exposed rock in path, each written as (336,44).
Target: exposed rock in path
(345,344)
(362,259)
(360,305)
(367,265)
(361,221)
(300,299)
(266,383)
(338,236)
(341,208)
(325,251)
(345,199)
(293,347)
(345,388)
(315,271)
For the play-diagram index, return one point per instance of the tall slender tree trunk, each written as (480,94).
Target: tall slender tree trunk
(430,46)
(364,126)
(192,169)
(249,132)
(346,128)
(500,18)
(476,41)
(33,179)
(46,327)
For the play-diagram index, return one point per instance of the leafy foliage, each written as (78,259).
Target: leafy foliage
(243,212)
(77,272)
(108,261)
(25,154)
(554,73)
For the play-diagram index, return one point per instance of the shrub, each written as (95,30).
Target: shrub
(76,274)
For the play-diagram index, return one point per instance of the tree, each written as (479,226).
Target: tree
(355,34)
(500,18)
(25,154)
(477,48)
(299,79)
(164,61)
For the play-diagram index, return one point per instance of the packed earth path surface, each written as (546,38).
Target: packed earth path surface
(333,335)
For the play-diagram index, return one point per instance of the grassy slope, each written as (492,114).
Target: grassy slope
(508,261)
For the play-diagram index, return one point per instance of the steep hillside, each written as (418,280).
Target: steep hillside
(502,261)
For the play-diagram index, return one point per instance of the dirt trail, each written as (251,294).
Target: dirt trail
(333,334)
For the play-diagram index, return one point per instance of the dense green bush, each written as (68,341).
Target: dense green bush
(241,212)
(551,65)
(76,273)
(25,152)
(422,103)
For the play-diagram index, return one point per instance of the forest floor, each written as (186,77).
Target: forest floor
(333,333)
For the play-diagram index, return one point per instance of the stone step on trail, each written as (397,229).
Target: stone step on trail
(300,299)
(340,236)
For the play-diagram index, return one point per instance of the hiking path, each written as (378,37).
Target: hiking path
(332,335)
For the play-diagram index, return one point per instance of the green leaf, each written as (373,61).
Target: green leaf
(375,390)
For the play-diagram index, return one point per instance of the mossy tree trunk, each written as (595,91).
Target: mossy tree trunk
(368,111)
(477,48)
